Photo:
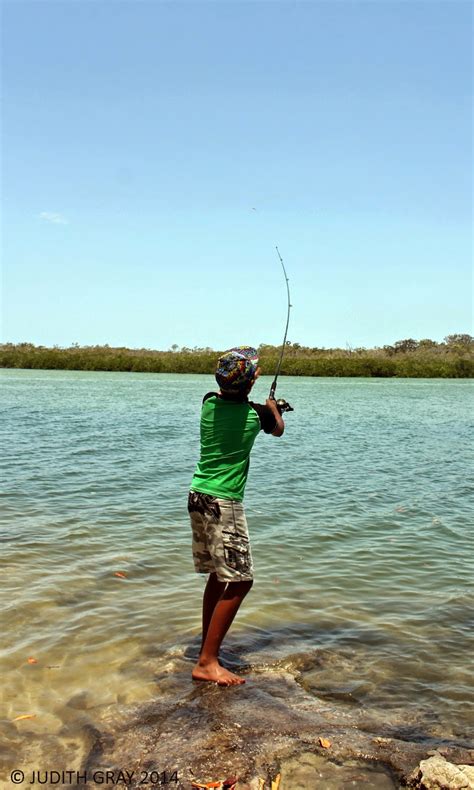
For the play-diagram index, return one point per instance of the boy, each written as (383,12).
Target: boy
(230,424)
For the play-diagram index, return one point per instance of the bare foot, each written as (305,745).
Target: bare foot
(215,673)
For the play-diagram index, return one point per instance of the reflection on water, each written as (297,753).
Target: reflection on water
(359,518)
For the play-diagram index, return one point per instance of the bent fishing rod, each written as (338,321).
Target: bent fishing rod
(282,404)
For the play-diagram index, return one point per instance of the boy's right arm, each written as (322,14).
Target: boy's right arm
(280,425)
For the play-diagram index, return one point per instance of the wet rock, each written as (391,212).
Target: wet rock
(436,773)
(271,724)
(79,701)
(252,731)
(311,770)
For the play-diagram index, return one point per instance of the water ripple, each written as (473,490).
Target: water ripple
(360,519)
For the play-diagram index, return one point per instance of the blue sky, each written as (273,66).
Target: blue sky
(155,153)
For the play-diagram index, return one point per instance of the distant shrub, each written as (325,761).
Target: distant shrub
(406,358)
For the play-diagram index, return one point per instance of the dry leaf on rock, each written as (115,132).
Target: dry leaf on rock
(25,716)
(276,782)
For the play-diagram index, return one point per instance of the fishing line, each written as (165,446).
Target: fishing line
(281,403)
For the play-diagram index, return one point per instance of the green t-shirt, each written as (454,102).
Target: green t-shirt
(228,431)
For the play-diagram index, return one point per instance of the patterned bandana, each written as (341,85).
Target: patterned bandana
(236,368)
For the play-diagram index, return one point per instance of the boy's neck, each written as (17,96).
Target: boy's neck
(240,397)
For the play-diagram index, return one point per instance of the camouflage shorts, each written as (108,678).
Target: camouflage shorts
(220,537)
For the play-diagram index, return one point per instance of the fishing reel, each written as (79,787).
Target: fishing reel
(282,405)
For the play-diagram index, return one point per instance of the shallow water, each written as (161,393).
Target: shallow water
(360,525)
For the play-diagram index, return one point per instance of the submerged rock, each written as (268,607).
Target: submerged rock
(268,726)
(310,770)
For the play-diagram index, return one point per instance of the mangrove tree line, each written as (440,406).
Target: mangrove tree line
(453,358)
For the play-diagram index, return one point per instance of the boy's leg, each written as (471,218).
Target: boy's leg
(227,606)
(221,547)
(212,593)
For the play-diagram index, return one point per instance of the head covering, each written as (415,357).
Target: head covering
(236,368)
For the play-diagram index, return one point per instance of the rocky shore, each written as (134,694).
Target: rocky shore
(271,729)
(272,726)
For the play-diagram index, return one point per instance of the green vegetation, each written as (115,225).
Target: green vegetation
(454,358)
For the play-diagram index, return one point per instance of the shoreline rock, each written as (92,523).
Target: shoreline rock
(268,726)
(436,773)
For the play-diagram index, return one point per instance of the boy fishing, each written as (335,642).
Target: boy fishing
(230,424)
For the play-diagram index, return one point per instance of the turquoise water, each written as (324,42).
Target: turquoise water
(360,518)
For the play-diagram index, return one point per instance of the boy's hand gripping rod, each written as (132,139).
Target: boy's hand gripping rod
(282,405)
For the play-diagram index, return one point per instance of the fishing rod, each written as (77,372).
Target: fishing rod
(282,404)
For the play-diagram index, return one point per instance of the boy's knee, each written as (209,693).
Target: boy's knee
(246,586)
(238,588)
(214,580)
